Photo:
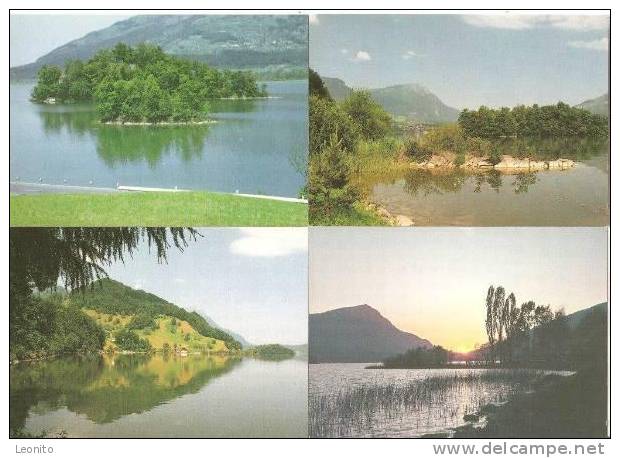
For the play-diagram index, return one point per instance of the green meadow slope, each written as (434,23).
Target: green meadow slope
(117,308)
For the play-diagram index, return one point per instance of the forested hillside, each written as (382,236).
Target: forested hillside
(113,298)
(275,43)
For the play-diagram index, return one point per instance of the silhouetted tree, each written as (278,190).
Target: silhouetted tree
(490,320)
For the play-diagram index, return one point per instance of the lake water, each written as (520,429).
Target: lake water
(575,197)
(140,396)
(252,148)
(347,400)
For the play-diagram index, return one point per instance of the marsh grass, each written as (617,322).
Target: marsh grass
(418,406)
(378,156)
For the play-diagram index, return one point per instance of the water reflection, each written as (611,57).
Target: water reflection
(120,145)
(105,388)
(426,182)
(232,106)
(78,120)
(249,144)
(548,149)
(574,197)
(128,144)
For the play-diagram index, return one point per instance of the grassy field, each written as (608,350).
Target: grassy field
(154,209)
(178,332)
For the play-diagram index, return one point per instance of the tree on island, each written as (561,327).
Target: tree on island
(426,358)
(274,352)
(560,120)
(143,84)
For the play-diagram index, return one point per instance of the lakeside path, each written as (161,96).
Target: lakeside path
(19,188)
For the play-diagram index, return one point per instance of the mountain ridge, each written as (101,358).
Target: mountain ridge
(357,334)
(597,105)
(113,298)
(238,337)
(226,41)
(410,100)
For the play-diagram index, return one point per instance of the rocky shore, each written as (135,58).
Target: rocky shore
(507,163)
(163,123)
(390,219)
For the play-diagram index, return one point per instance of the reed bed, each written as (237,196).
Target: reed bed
(420,405)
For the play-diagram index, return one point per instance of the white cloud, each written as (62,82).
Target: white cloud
(601,44)
(313,19)
(344,51)
(270,242)
(361,56)
(521,22)
(595,22)
(410,54)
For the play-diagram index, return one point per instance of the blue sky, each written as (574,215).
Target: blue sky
(467,60)
(251,281)
(433,281)
(33,35)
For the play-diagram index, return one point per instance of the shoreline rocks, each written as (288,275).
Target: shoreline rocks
(164,123)
(392,220)
(506,163)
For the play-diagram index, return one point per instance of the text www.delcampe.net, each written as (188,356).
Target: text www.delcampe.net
(506,448)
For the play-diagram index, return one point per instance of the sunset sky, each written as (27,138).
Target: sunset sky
(433,282)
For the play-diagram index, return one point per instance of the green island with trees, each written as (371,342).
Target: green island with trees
(144,85)
(274,352)
(354,141)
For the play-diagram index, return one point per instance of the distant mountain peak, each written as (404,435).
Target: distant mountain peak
(226,41)
(598,105)
(357,334)
(411,100)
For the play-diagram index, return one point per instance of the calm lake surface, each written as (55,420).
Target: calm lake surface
(251,148)
(575,197)
(140,396)
(347,400)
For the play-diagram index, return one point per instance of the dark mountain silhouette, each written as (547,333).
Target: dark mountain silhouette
(411,101)
(575,340)
(357,335)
